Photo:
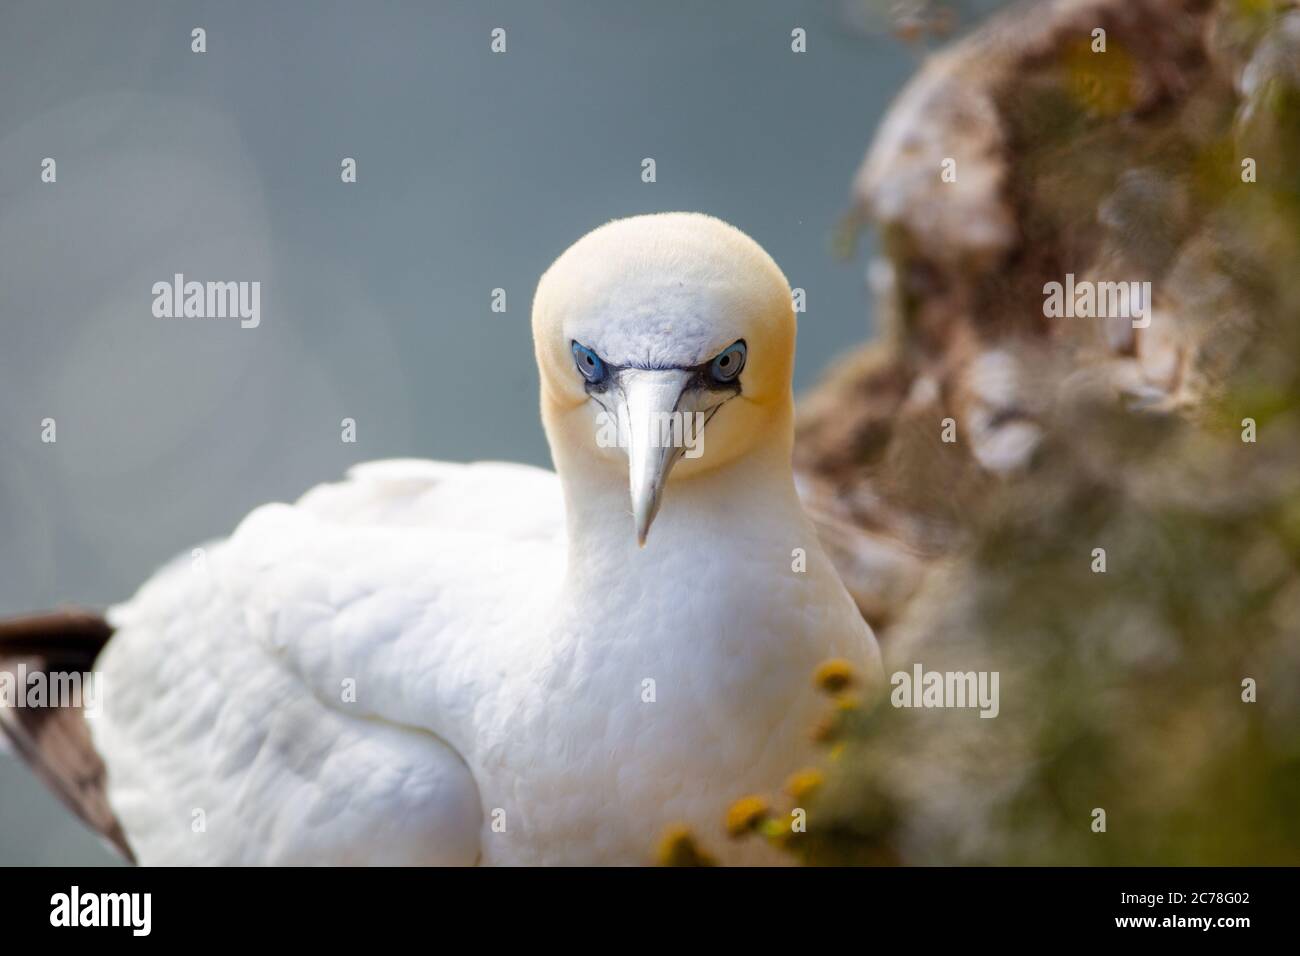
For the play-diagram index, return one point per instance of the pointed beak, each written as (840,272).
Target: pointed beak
(649,397)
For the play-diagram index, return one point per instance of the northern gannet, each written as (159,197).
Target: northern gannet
(434,663)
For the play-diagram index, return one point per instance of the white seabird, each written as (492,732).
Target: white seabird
(432,663)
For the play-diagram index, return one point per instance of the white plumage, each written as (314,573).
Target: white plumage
(440,663)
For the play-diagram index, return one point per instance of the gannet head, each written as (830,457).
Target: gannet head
(648,329)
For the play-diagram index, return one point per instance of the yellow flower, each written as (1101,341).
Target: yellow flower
(848,703)
(835,675)
(745,815)
(677,847)
(804,783)
(826,729)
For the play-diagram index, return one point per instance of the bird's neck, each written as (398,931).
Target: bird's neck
(743,504)
(732,590)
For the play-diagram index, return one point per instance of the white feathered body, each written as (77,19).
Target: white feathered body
(409,667)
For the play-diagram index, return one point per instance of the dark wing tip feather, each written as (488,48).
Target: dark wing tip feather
(55,741)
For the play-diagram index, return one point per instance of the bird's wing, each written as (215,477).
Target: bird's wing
(300,692)
(55,740)
(518,501)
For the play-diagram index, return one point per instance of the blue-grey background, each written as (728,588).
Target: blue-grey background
(474,171)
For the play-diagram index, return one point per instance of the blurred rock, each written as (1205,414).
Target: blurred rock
(1116,528)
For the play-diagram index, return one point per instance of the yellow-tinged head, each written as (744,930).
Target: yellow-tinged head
(650,328)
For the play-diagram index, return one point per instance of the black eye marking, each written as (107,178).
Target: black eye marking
(718,374)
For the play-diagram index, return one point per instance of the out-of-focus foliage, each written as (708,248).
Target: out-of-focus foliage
(1120,690)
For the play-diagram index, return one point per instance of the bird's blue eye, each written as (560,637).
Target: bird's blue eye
(728,363)
(589,363)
